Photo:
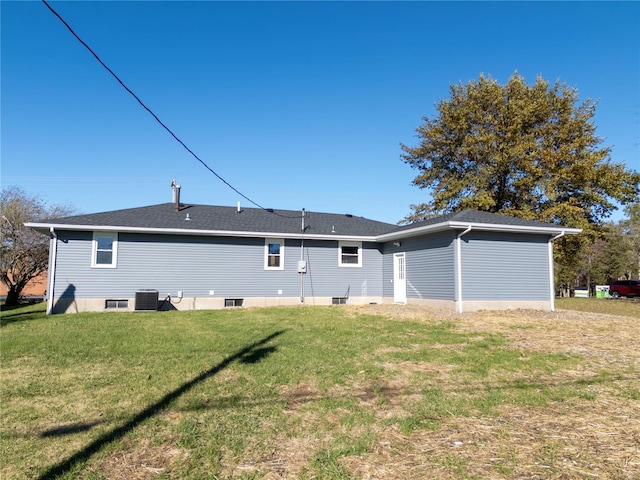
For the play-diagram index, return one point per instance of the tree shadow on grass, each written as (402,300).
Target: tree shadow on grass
(250,354)
(256,355)
(69,429)
(19,313)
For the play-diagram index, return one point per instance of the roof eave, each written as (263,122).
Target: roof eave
(486,227)
(45,228)
(387,237)
(538,229)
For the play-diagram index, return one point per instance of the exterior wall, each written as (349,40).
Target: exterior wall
(504,267)
(430,267)
(499,271)
(197,266)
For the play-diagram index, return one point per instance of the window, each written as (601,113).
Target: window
(350,254)
(105,250)
(116,304)
(274,254)
(233,302)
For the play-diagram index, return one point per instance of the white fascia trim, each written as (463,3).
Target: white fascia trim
(210,233)
(487,227)
(387,237)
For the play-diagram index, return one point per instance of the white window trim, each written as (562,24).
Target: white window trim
(346,243)
(94,250)
(267,241)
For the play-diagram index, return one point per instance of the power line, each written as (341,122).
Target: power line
(155,116)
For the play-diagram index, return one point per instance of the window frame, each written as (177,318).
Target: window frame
(117,304)
(114,250)
(273,241)
(348,243)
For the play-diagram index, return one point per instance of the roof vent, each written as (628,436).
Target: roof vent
(348,215)
(176,194)
(188,217)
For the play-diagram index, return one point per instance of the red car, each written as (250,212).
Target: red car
(624,288)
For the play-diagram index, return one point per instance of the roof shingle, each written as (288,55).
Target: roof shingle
(220,218)
(228,220)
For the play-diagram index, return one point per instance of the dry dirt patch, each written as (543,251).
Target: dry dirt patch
(140,461)
(597,438)
(563,331)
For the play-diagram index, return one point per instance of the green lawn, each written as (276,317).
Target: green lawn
(611,306)
(307,393)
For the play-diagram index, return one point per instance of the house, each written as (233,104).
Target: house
(202,257)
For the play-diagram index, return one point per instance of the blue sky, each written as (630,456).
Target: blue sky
(296,104)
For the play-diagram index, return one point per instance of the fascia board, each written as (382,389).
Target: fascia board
(486,227)
(387,237)
(44,228)
(413,232)
(489,227)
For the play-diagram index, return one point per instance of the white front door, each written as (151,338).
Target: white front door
(399,278)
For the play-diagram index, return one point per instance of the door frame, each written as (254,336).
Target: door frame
(399,277)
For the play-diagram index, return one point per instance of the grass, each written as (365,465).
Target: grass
(611,306)
(306,393)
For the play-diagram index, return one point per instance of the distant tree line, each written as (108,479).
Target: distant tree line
(614,254)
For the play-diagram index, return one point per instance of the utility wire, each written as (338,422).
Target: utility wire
(156,117)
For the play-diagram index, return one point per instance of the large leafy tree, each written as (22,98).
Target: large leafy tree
(529,151)
(24,253)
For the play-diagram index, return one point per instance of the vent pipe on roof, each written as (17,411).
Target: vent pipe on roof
(239,210)
(176,194)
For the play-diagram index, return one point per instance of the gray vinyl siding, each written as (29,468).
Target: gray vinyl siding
(387,268)
(430,266)
(326,279)
(503,266)
(231,267)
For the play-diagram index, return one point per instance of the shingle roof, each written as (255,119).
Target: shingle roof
(475,217)
(220,218)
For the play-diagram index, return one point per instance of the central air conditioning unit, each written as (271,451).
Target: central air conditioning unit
(146,301)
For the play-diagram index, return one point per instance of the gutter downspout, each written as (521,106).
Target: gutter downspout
(552,289)
(302,258)
(52,271)
(459,268)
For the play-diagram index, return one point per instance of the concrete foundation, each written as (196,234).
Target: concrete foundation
(76,305)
